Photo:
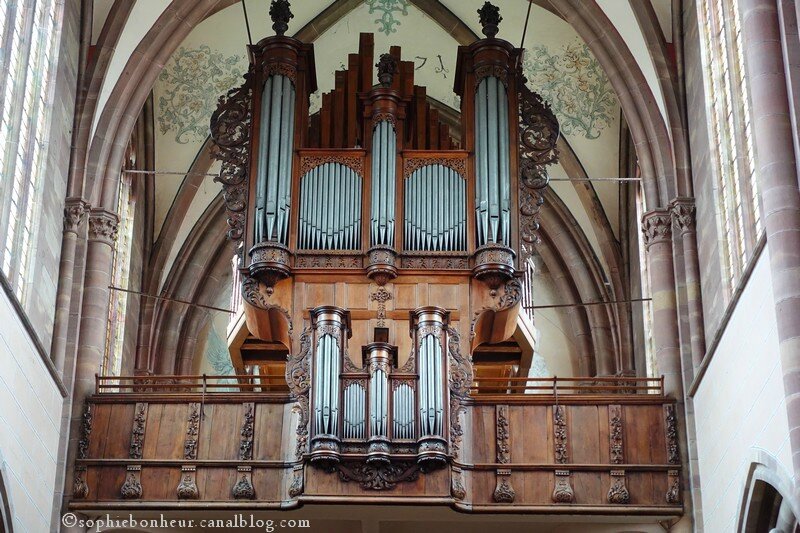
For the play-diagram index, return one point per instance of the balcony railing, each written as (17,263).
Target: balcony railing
(555,386)
(203,384)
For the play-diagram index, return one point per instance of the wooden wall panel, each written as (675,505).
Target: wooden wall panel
(642,426)
(483,434)
(160,483)
(268,484)
(219,431)
(109,482)
(531,434)
(268,431)
(534,487)
(590,487)
(216,483)
(118,431)
(165,431)
(583,434)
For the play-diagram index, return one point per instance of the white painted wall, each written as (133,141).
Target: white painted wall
(740,403)
(29,425)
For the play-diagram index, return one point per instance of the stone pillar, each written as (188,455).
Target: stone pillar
(94,321)
(74,215)
(657,229)
(683,215)
(780,198)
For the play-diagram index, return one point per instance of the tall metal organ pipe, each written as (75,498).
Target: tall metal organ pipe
(430,339)
(274,175)
(379,356)
(435,210)
(384,168)
(331,326)
(330,208)
(492,160)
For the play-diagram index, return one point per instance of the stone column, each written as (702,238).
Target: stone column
(74,215)
(94,320)
(683,215)
(657,229)
(780,198)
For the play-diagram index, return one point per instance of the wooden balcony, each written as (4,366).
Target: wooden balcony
(597,446)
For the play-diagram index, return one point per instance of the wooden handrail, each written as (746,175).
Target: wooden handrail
(183,383)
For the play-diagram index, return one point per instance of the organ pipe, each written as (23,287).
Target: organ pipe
(429,327)
(384,165)
(492,164)
(330,208)
(435,210)
(331,326)
(273,181)
(378,358)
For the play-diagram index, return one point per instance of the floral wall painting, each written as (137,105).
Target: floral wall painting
(190,84)
(388,10)
(575,85)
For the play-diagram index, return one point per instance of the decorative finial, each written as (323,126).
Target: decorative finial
(387,68)
(490,19)
(280,14)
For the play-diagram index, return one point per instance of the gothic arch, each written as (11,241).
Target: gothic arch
(768,502)
(6,525)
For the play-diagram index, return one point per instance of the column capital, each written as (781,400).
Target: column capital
(684,214)
(75,210)
(656,227)
(103,226)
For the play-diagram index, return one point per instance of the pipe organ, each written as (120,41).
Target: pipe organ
(388,224)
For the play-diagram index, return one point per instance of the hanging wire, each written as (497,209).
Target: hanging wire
(586,304)
(145,295)
(247,23)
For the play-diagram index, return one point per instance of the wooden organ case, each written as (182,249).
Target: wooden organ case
(379,225)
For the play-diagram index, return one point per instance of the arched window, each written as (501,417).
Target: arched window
(731,135)
(29,41)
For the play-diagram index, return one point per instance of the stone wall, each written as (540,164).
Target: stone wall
(740,405)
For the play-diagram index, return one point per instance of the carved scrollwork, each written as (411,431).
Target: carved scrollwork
(328,261)
(512,294)
(671,424)
(381,476)
(503,435)
(103,226)
(497,71)
(435,262)
(281,69)
(137,431)
(192,430)
(299,382)
(560,434)
(615,434)
(538,137)
(86,431)
(230,133)
(309,163)
(412,164)
(684,214)
(246,440)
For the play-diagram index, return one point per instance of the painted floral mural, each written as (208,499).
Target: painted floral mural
(389,10)
(575,85)
(189,87)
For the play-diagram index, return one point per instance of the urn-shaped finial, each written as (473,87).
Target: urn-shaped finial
(280,13)
(490,19)
(387,68)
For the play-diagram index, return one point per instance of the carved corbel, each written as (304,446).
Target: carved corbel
(187,488)
(79,487)
(243,489)
(503,491)
(618,493)
(457,489)
(673,495)
(299,382)
(656,227)
(132,488)
(563,493)
(296,488)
